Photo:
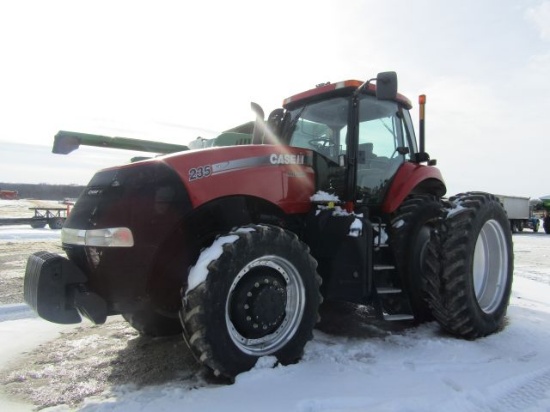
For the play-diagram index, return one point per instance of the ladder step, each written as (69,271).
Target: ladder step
(394,318)
(385,291)
(383,267)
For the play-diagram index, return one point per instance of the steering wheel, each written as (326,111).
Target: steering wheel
(322,142)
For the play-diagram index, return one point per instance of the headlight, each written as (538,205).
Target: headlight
(110,237)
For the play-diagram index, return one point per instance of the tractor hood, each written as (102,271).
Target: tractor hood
(147,197)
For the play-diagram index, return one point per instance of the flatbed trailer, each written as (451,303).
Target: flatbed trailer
(54,217)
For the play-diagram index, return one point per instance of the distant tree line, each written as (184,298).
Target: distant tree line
(44,191)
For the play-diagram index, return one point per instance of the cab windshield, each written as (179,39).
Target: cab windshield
(320,126)
(385,139)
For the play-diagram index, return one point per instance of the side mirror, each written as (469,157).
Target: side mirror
(386,86)
(275,120)
(274,126)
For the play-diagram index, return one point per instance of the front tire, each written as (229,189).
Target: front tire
(259,297)
(471,267)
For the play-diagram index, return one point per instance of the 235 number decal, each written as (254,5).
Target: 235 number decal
(199,172)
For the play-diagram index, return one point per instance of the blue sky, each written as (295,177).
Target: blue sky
(171,71)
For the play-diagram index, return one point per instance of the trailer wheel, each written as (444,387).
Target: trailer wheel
(150,323)
(470,267)
(259,297)
(56,223)
(546,225)
(519,225)
(411,227)
(38,225)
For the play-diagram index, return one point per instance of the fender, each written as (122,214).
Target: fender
(413,178)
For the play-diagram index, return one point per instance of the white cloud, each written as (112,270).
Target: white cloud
(541,65)
(540,16)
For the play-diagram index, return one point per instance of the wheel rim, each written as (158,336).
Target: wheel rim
(490,267)
(265,305)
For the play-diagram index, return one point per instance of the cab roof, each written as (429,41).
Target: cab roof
(338,88)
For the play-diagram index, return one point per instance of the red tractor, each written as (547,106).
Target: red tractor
(330,199)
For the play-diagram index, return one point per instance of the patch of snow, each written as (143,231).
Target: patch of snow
(338,211)
(8,202)
(245,230)
(383,237)
(321,196)
(199,272)
(23,234)
(356,228)
(398,224)
(16,311)
(457,209)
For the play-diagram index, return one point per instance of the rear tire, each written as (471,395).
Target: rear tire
(411,227)
(469,279)
(259,297)
(546,225)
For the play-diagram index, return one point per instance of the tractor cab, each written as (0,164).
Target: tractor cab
(360,135)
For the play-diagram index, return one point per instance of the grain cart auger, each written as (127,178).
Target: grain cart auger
(66,142)
(237,246)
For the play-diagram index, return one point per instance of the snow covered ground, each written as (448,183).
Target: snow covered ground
(353,367)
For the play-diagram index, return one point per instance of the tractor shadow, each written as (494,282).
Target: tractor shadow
(356,321)
(147,361)
(89,359)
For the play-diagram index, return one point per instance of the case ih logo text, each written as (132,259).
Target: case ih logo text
(287,159)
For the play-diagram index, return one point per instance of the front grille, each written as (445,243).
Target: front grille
(148,198)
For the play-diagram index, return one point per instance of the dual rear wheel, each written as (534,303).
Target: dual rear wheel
(469,264)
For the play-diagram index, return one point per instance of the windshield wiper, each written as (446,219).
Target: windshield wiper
(290,128)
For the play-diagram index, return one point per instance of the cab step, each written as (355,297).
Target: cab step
(388,290)
(383,267)
(398,317)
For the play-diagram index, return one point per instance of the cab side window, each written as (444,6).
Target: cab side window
(384,132)
(381,133)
